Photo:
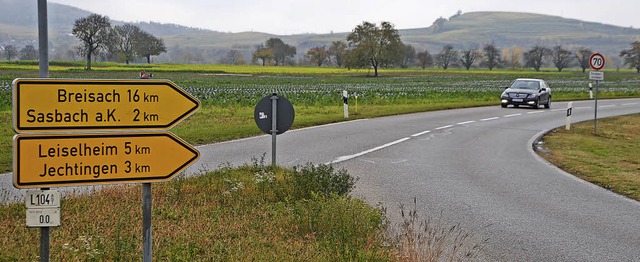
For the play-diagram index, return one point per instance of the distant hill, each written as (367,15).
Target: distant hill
(18,26)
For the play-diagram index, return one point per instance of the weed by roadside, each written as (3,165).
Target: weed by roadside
(420,238)
(254,212)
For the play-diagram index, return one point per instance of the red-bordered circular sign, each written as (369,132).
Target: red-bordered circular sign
(596,61)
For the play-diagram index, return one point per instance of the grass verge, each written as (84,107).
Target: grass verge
(608,158)
(251,213)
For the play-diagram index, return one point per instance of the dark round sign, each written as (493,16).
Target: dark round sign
(263,114)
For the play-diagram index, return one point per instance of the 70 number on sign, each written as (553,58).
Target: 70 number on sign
(596,61)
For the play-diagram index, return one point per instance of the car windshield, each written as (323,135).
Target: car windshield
(525,84)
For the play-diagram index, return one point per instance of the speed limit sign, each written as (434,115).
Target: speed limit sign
(596,61)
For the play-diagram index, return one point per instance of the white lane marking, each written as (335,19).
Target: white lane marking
(536,112)
(443,127)
(583,107)
(398,162)
(512,115)
(629,104)
(607,106)
(421,133)
(562,109)
(345,158)
(467,122)
(489,119)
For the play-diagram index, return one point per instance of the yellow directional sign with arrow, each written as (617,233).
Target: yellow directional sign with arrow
(89,159)
(53,105)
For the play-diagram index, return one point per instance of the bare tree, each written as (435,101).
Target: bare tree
(409,54)
(491,56)
(425,59)
(93,32)
(10,51)
(512,56)
(632,56)
(447,57)
(29,53)
(318,55)
(234,57)
(582,56)
(536,56)
(561,58)
(373,46)
(125,37)
(469,57)
(338,51)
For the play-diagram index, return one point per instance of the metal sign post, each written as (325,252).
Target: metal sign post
(597,62)
(274,115)
(147,240)
(274,127)
(43,45)
(345,100)
(595,112)
(569,111)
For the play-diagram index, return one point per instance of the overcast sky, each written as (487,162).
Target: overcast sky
(284,17)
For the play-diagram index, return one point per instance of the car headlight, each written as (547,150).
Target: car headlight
(504,95)
(532,95)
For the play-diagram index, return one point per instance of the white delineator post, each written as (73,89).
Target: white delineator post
(569,109)
(345,100)
(590,91)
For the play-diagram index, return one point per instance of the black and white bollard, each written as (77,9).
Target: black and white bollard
(345,100)
(569,109)
(590,91)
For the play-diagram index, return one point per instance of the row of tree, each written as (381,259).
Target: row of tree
(372,46)
(367,46)
(28,52)
(121,42)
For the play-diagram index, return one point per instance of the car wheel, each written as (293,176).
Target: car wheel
(503,105)
(537,104)
(548,104)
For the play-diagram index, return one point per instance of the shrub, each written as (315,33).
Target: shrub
(322,180)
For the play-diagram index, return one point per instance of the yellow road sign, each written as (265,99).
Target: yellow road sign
(42,105)
(90,159)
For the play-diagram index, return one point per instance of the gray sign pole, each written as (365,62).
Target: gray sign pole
(43,38)
(146,223)
(43,42)
(595,114)
(274,127)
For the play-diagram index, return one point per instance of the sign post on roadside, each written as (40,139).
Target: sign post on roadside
(274,115)
(345,101)
(568,119)
(597,62)
(52,148)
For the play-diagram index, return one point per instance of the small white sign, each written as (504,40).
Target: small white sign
(596,75)
(42,199)
(43,217)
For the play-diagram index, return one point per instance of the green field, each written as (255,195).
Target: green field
(262,213)
(229,93)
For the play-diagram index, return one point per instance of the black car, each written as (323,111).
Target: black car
(527,92)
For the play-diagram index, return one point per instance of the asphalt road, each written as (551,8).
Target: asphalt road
(474,167)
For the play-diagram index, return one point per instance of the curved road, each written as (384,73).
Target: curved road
(470,166)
